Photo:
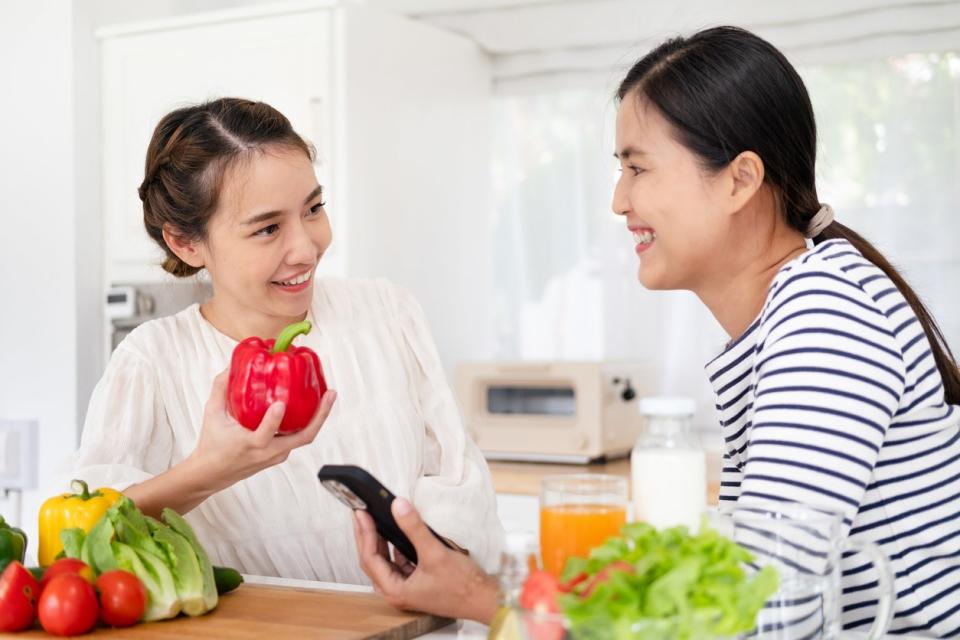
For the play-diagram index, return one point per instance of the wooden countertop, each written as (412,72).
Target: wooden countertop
(278,612)
(524,478)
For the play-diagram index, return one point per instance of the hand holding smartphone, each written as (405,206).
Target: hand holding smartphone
(358,489)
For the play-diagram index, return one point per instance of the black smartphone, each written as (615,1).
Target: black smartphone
(358,489)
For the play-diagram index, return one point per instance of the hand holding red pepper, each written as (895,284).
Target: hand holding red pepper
(227,453)
(263,372)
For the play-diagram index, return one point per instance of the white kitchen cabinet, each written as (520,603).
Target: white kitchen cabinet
(283,59)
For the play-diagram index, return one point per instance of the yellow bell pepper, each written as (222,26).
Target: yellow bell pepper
(78,509)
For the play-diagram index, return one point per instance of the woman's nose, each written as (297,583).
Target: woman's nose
(620,203)
(301,248)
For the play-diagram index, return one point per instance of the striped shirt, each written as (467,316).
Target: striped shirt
(832,397)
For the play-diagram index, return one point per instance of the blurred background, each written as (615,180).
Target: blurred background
(467,150)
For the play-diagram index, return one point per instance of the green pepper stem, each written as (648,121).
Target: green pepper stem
(287,335)
(80,488)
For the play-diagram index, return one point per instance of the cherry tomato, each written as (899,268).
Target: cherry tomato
(18,598)
(540,592)
(123,598)
(68,606)
(539,595)
(64,566)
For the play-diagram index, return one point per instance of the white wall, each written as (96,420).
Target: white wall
(436,240)
(88,237)
(38,296)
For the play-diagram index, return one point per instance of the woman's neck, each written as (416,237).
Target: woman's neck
(239,322)
(736,294)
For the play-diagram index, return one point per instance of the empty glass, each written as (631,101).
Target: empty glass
(804,545)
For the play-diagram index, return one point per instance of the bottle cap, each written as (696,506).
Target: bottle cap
(677,406)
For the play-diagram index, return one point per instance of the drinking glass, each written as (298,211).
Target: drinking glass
(577,513)
(804,544)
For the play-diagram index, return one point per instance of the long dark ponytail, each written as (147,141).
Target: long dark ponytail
(725,90)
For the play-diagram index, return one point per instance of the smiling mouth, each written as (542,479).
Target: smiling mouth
(644,236)
(302,278)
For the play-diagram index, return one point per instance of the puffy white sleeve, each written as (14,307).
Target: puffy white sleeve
(454,492)
(126,437)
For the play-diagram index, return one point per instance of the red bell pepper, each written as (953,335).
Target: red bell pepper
(263,372)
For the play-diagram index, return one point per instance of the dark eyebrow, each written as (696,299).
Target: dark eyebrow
(261,217)
(313,194)
(626,152)
(268,215)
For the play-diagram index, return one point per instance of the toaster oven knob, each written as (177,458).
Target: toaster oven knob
(628,392)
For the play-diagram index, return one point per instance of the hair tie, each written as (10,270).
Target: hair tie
(820,221)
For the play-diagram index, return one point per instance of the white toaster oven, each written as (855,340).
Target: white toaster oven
(576,412)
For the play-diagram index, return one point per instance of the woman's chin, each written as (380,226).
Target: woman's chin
(650,279)
(292,305)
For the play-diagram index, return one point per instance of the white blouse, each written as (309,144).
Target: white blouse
(395,416)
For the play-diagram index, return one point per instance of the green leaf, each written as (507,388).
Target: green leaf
(72,540)
(184,566)
(162,599)
(97,543)
(179,524)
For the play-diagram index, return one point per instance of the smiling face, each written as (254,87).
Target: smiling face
(673,207)
(265,240)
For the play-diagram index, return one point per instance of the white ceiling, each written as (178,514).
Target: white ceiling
(550,43)
(531,39)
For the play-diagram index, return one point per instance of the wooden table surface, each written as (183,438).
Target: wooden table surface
(525,478)
(261,611)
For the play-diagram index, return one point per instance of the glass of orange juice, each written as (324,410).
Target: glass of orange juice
(578,512)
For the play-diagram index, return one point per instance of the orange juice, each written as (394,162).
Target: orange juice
(574,529)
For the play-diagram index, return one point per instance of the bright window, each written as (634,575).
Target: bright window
(889,163)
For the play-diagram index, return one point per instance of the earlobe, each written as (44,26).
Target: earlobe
(186,250)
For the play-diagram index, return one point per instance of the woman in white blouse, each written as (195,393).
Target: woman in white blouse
(230,188)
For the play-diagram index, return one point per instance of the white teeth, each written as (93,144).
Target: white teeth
(644,237)
(298,280)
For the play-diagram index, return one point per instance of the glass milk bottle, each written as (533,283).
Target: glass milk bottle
(668,467)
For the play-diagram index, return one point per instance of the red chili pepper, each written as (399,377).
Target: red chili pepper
(264,372)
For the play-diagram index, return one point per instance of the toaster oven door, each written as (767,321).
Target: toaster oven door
(541,420)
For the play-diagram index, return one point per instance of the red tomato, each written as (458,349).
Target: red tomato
(18,598)
(123,598)
(540,592)
(64,566)
(68,606)
(539,595)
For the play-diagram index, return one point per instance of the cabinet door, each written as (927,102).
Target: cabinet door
(284,60)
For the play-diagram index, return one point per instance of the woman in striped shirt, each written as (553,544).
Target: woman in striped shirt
(837,389)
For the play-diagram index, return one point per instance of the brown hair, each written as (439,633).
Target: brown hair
(188,155)
(724,91)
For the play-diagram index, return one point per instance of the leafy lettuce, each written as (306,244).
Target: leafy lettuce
(665,584)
